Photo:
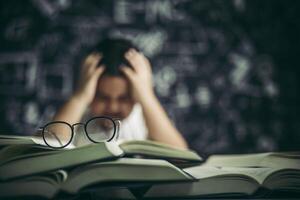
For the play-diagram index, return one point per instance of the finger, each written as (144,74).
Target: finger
(147,61)
(90,58)
(85,64)
(132,58)
(99,71)
(129,73)
(139,61)
(93,63)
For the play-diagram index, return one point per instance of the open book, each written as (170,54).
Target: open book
(230,175)
(150,149)
(160,178)
(122,171)
(159,169)
(17,152)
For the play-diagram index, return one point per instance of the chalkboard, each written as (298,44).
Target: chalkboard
(218,65)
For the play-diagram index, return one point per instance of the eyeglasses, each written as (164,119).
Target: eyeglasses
(59,134)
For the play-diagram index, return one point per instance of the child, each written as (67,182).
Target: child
(116,81)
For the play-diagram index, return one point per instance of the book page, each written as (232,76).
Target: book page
(114,148)
(272,159)
(282,162)
(257,173)
(246,160)
(6,140)
(15,139)
(157,149)
(53,142)
(200,172)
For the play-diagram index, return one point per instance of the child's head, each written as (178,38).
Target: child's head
(113,96)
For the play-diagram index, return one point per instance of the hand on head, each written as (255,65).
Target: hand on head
(89,76)
(140,76)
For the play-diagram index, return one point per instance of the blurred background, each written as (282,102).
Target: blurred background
(226,71)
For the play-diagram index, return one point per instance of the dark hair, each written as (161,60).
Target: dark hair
(113,51)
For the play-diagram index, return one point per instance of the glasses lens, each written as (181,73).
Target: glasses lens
(100,129)
(57,134)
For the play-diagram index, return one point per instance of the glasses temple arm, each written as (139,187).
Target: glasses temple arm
(53,134)
(118,124)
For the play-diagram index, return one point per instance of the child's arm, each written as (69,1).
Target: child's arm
(158,123)
(73,110)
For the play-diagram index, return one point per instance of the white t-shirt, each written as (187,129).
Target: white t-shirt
(132,128)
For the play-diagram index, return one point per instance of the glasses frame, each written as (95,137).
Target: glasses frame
(85,130)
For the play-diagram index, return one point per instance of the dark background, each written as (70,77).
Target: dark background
(225,70)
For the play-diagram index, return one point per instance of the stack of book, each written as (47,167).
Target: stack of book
(138,170)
